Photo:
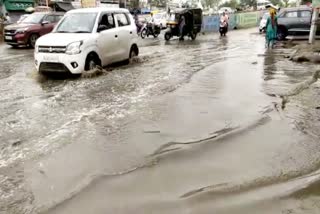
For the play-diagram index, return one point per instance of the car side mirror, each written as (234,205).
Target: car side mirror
(102,28)
(44,23)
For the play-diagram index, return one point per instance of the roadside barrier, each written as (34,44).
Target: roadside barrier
(236,21)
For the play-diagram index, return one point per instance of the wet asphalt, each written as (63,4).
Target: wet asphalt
(216,124)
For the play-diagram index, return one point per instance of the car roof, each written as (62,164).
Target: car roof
(48,12)
(296,8)
(98,9)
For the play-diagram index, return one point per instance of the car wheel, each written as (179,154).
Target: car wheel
(143,33)
(91,63)
(32,40)
(281,33)
(167,36)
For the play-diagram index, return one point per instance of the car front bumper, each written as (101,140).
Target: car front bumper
(15,39)
(55,62)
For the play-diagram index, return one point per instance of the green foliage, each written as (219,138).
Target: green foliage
(232,4)
(250,3)
(211,3)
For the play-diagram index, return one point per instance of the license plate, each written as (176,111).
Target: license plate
(51,58)
(8,37)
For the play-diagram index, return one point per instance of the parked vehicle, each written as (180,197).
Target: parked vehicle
(87,38)
(263,22)
(261,4)
(160,19)
(193,20)
(150,29)
(294,21)
(22,18)
(31,28)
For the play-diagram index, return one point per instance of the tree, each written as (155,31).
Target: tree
(158,3)
(303,2)
(211,3)
(286,3)
(231,3)
(250,3)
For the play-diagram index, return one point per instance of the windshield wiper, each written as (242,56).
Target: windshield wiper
(81,31)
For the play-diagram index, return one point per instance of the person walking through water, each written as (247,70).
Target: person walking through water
(181,27)
(271,26)
(224,22)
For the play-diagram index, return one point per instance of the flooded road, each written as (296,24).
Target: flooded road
(190,127)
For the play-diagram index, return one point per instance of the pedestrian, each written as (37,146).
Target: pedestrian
(271,29)
(223,24)
(7,18)
(182,26)
(226,14)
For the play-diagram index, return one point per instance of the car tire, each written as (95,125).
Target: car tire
(92,62)
(167,36)
(134,52)
(281,33)
(32,40)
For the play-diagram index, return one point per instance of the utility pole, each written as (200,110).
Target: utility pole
(314,21)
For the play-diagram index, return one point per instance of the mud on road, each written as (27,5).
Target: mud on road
(189,127)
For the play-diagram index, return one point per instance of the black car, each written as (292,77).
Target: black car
(294,21)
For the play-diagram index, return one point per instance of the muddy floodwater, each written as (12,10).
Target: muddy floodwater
(216,125)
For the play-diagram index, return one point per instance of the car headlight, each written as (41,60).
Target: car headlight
(22,30)
(74,48)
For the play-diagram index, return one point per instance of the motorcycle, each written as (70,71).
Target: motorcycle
(140,27)
(150,29)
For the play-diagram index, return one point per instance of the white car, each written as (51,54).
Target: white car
(263,22)
(160,19)
(86,38)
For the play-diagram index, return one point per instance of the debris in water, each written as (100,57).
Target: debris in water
(254,63)
(16,143)
(152,132)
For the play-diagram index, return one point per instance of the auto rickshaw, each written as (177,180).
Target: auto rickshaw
(193,22)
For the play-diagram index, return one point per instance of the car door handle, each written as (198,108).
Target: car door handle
(116,36)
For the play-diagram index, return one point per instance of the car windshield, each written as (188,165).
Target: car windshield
(34,18)
(77,23)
